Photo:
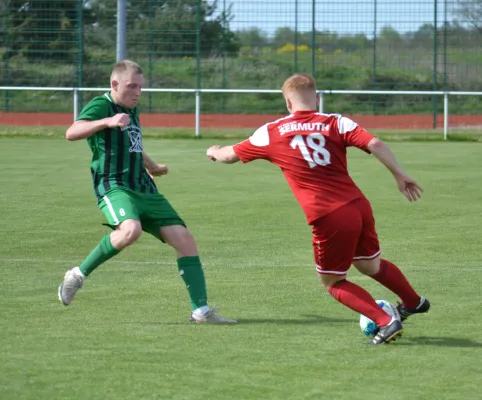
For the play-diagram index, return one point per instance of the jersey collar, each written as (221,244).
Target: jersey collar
(109,97)
(305,112)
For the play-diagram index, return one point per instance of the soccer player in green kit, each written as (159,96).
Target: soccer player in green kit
(126,193)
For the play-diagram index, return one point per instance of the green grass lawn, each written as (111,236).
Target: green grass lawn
(126,335)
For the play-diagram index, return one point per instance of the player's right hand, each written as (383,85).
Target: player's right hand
(118,121)
(410,189)
(210,152)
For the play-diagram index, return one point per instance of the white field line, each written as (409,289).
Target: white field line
(73,262)
(261,264)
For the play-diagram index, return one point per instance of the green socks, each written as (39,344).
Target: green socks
(99,255)
(190,269)
(192,274)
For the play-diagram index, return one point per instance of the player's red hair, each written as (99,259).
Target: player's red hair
(299,83)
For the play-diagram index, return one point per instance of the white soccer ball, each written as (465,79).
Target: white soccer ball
(369,327)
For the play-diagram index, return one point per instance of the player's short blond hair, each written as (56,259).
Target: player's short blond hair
(299,83)
(125,66)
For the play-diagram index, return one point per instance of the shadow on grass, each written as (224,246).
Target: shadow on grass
(438,341)
(307,320)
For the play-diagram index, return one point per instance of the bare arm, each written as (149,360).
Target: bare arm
(381,151)
(152,167)
(83,129)
(408,186)
(225,154)
(148,161)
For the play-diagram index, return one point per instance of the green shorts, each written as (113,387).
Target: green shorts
(152,210)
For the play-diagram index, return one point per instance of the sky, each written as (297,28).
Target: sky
(342,16)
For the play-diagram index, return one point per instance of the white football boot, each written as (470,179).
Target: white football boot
(210,317)
(73,281)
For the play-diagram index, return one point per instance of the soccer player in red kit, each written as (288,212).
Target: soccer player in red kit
(310,149)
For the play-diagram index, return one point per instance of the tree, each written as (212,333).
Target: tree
(42,29)
(252,37)
(49,29)
(166,27)
(283,36)
(470,11)
(3,17)
(346,43)
(390,38)
(459,36)
(422,37)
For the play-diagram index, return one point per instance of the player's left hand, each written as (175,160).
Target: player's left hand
(210,152)
(158,170)
(409,187)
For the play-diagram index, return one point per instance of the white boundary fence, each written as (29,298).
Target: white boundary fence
(198,92)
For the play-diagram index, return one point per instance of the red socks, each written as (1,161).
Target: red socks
(359,300)
(393,279)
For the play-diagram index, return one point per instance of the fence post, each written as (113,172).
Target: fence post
(76,103)
(374,61)
(149,50)
(296,36)
(313,38)
(445,45)
(320,105)
(435,61)
(225,29)
(121,29)
(6,57)
(198,67)
(198,113)
(446,115)
(80,59)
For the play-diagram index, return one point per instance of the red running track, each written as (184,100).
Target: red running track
(230,121)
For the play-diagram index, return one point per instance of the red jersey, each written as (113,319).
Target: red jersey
(310,149)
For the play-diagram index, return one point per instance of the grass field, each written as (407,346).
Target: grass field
(126,335)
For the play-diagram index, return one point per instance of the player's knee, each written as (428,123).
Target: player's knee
(185,242)
(181,239)
(368,267)
(132,235)
(130,232)
(327,279)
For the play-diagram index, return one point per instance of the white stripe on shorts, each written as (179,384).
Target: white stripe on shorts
(322,271)
(111,209)
(368,257)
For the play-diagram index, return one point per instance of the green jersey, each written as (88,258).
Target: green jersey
(117,159)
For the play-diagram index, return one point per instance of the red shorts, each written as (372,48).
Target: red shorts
(346,234)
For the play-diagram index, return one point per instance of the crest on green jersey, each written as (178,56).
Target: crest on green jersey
(135,136)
